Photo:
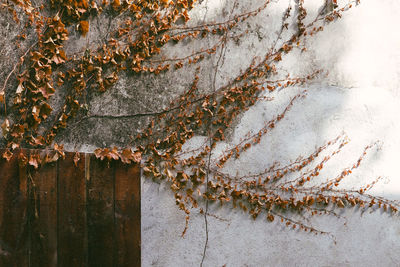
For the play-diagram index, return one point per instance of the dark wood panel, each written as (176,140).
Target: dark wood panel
(67,215)
(71,210)
(127,215)
(44,226)
(100,212)
(14,223)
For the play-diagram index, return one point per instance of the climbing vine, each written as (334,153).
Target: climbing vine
(136,47)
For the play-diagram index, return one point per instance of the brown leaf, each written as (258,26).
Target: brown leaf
(84,27)
(107,153)
(18,130)
(38,141)
(47,90)
(45,110)
(34,160)
(98,153)
(20,88)
(113,154)
(137,157)
(49,159)
(59,149)
(76,158)
(7,155)
(5,127)
(116,4)
(22,159)
(127,156)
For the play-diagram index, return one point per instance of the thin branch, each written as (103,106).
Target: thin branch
(3,90)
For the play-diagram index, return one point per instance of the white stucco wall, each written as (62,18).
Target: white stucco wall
(360,95)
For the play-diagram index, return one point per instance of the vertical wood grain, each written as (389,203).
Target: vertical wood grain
(44,226)
(14,223)
(127,215)
(100,211)
(71,210)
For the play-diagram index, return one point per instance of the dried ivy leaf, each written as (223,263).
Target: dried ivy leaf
(127,156)
(76,158)
(7,155)
(20,88)
(39,141)
(45,110)
(59,149)
(116,4)
(5,127)
(34,160)
(98,153)
(113,154)
(137,157)
(17,130)
(84,27)
(107,153)
(47,90)
(22,159)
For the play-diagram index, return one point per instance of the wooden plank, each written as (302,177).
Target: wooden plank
(44,227)
(14,223)
(127,215)
(100,212)
(71,210)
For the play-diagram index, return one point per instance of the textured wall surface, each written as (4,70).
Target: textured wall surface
(359,94)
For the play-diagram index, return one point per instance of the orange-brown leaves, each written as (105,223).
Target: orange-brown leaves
(77,158)
(60,150)
(7,155)
(127,156)
(116,5)
(133,46)
(107,153)
(84,27)
(34,160)
(5,127)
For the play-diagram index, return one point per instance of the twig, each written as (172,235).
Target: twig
(3,90)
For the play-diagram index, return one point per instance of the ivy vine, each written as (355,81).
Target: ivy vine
(135,47)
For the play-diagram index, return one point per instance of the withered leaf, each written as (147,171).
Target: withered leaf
(47,90)
(20,88)
(113,154)
(116,4)
(127,156)
(59,149)
(7,155)
(45,110)
(97,153)
(107,153)
(22,159)
(5,127)
(84,27)
(17,130)
(76,158)
(34,160)
(137,157)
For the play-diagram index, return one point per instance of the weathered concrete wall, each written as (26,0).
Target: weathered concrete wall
(360,95)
